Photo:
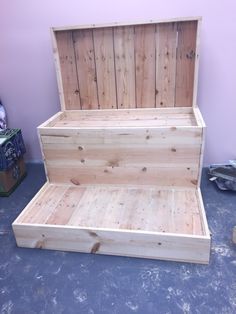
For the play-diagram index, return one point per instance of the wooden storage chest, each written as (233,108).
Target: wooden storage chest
(123,158)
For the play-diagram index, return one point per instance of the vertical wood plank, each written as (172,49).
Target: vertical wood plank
(196,66)
(185,63)
(84,53)
(166,42)
(145,65)
(104,59)
(186,213)
(125,66)
(68,69)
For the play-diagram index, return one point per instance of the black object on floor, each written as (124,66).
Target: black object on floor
(43,281)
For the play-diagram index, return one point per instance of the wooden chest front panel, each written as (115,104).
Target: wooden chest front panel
(163,156)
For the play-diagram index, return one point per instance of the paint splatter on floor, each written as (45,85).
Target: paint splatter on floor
(41,281)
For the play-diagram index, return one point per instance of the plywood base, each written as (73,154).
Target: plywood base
(147,222)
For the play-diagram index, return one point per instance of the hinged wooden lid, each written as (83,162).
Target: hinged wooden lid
(154,64)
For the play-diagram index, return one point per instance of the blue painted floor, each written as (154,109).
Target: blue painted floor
(41,281)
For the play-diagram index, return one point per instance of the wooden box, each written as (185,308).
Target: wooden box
(123,158)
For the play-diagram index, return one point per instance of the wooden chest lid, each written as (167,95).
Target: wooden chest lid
(154,64)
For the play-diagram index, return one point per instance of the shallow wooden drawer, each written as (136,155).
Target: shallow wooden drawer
(134,221)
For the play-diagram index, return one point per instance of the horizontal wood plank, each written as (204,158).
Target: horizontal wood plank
(169,247)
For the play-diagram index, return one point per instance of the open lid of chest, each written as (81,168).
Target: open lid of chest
(154,64)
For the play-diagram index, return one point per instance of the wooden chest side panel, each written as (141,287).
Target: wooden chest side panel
(165,156)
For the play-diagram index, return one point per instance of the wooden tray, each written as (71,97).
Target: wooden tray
(134,221)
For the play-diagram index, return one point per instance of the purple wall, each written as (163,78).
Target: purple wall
(28,86)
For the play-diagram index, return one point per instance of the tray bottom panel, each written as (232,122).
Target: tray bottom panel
(116,207)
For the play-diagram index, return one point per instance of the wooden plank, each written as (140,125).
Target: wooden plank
(46,204)
(114,123)
(104,60)
(58,69)
(124,156)
(189,136)
(25,211)
(125,66)
(201,123)
(65,207)
(185,214)
(84,52)
(78,174)
(41,198)
(161,217)
(130,111)
(166,43)
(68,69)
(52,120)
(185,63)
(129,23)
(95,200)
(42,152)
(145,65)
(138,117)
(196,66)
(183,248)
(203,213)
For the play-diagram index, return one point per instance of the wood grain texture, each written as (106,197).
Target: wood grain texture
(183,248)
(77,174)
(129,66)
(105,67)
(84,52)
(125,66)
(145,65)
(119,207)
(130,23)
(196,66)
(166,44)
(129,219)
(124,146)
(68,69)
(185,63)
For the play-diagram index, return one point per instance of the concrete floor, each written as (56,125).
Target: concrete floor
(41,281)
